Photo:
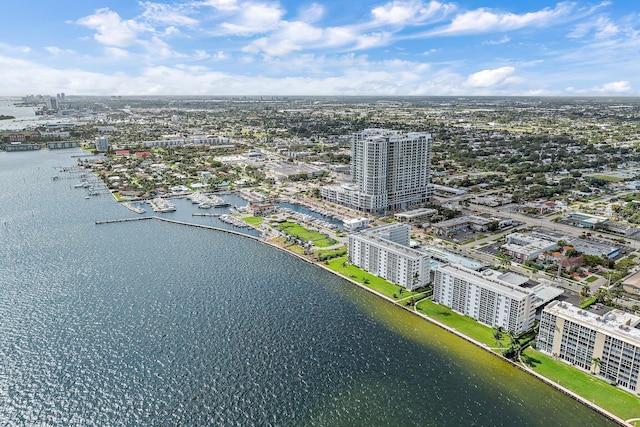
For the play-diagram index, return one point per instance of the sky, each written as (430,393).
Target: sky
(325,47)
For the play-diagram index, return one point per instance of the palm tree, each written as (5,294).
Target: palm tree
(415,279)
(497,335)
(586,291)
(595,363)
(615,293)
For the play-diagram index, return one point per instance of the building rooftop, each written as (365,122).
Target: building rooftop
(373,235)
(452,258)
(490,279)
(632,280)
(617,323)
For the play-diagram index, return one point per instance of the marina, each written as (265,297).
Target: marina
(162,205)
(132,208)
(207,201)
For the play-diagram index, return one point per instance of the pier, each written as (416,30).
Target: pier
(204,214)
(190,224)
(208,227)
(110,221)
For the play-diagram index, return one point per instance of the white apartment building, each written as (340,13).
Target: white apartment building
(390,170)
(490,297)
(605,344)
(102,143)
(385,252)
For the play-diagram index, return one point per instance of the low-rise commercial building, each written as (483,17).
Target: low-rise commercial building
(527,246)
(416,216)
(473,222)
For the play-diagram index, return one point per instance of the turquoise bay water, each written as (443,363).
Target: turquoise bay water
(150,323)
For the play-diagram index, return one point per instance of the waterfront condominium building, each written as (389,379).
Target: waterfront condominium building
(102,143)
(385,252)
(607,344)
(490,297)
(390,171)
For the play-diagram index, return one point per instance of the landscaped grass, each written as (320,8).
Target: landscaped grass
(608,178)
(330,253)
(253,220)
(376,283)
(591,279)
(613,399)
(463,324)
(586,303)
(323,243)
(300,232)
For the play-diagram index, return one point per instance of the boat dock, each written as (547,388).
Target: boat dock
(133,208)
(204,214)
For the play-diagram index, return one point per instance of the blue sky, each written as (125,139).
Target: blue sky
(330,47)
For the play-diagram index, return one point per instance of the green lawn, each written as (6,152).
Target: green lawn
(330,253)
(376,283)
(587,302)
(300,232)
(253,220)
(591,279)
(323,243)
(613,399)
(608,178)
(463,324)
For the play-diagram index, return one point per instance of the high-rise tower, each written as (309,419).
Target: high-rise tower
(390,171)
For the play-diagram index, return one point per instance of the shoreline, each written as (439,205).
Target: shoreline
(478,344)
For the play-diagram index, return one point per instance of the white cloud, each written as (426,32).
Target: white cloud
(116,52)
(312,13)
(484,20)
(409,12)
(503,40)
(223,4)
(430,51)
(166,14)
(489,78)
(171,31)
(111,30)
(367,41)
(622,86)
(254,18)
(158,48)
(601,27)
(55,50)
(272,47)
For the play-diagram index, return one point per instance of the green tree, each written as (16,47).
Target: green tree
(585,291)
(497,335)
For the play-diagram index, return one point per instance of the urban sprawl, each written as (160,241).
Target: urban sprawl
(518,214)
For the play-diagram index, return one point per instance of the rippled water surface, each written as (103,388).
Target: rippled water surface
(151,323)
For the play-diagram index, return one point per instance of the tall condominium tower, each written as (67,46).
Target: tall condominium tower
(390,171)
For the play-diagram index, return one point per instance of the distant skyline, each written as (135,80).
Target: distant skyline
(331,47)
